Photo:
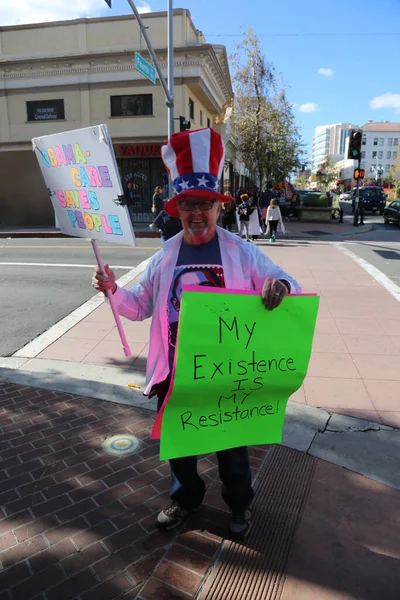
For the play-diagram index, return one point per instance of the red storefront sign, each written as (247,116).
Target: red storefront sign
(139,150)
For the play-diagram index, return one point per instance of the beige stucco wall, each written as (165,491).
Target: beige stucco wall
(85,62)
(58,39)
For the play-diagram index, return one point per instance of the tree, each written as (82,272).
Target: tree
(394,178)
(270,141)
(301,182)
(326,173)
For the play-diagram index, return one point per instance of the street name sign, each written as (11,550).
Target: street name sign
(145,68)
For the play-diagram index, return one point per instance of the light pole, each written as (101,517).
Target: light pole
(168,89)
(171,80)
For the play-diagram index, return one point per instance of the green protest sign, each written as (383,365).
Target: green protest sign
(236,366)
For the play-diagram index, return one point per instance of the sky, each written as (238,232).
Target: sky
(332,75)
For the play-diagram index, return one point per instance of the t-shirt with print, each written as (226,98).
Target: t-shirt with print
(196,265)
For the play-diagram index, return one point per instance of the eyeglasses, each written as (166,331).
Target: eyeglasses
(202,204)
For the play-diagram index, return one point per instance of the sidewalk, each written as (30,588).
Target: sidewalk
(77,523)
(354,369)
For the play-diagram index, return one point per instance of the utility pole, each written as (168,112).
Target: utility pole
(168,89)
(171,123)
(354,153)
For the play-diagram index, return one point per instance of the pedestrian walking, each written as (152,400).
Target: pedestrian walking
(228,214)
(244,212)
(158,200)
(207,255)
(167,225)
(274,218)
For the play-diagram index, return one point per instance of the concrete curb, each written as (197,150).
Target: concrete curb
(332,437)
(146,233)
(59,234)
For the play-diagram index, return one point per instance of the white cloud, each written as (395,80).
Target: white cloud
(143,7)
(309,107)
(388,100)
(327,72)
(15,12)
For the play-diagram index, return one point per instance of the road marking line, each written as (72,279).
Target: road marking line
(43,341)
(380,277)
(17,264)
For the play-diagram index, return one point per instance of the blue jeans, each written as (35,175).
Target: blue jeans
(189,489)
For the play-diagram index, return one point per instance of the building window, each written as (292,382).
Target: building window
(191,109)
(396,142)
(381,141)
(45,110)
(387,168)
(375,141)
(390,141)
(363,154)
(394,155)
(374,154)
(208,123)
(132,105)
(364,140)
(380,154)
(372,168)
(201,118)
(388,155)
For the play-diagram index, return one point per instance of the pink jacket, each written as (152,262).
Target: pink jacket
(245,267)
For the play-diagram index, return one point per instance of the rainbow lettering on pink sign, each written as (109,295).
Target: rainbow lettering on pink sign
(83,176)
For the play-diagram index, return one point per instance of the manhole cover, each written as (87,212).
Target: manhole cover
(316,232)
(121,445)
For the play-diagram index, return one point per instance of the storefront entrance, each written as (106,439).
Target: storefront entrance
(142,167)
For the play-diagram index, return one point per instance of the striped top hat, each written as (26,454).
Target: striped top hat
(194,161)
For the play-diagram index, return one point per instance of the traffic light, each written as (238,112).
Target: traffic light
(359,174)
(183,124)
(355,140)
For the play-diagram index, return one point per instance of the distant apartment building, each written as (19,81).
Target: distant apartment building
(329,140)
(380,150)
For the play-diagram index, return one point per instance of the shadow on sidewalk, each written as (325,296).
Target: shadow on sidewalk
(79,522)
(318,530)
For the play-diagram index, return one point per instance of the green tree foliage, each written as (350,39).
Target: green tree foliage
(269,138)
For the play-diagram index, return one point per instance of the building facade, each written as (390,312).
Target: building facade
(329,140)
(380,151)
(72,74)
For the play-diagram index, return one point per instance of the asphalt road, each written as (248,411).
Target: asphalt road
(34,297)
(385,256)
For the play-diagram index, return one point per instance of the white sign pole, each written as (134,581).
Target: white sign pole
(109,295)
(81,175)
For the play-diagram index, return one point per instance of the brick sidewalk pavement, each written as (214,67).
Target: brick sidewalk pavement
(78,522)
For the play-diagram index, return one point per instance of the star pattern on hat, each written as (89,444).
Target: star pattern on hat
(184,185)
(202,181)
(216,187)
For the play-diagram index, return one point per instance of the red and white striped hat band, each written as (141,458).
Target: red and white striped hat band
(194,160)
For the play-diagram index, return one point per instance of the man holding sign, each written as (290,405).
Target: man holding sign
(202,255)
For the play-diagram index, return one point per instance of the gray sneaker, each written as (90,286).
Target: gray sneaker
(173,516)
(239,525)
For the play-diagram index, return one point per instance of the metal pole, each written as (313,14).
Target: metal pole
(170,99)
(171,80)
(355,221)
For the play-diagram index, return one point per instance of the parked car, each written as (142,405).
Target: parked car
(346,196)
(391,213)
(373,199)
